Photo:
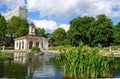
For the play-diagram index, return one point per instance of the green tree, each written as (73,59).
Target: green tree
(91,31)
(103,32)
(58,36)
(48,35)
(2,30)
(17,27)
(116,34)
(79,30)
(40,32)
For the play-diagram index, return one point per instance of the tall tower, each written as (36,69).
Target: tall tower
(31,29)
(18,11)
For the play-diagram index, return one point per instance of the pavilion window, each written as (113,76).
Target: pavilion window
(30,44)
(37,43)
(17,44)
(22,44)
(42,45)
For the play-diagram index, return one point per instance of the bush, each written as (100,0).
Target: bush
(35,49)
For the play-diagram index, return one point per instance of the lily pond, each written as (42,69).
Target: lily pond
(25,66)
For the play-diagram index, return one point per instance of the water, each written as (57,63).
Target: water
(29,67)
(35,66)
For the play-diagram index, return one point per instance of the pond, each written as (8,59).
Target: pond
(24,66)
(29,67)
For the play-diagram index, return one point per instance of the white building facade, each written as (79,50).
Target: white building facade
(29,41)
(19,12)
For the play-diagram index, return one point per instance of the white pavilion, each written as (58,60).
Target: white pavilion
(29,41)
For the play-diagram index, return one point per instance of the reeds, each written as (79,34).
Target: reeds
(83,62)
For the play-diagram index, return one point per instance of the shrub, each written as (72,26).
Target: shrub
(35,49)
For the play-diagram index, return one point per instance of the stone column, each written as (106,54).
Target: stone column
(34,43)
(40,45)
(21,44)
(18,44)
(46,45)
(25,44)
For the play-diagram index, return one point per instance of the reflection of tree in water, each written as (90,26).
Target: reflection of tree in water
(9,69)
(1,69)
(32,65)
(35,66)
(14,70)
(30,68)
(40,67)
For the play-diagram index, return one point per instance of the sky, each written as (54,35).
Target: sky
(51,14)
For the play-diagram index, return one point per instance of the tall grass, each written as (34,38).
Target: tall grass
(84,62)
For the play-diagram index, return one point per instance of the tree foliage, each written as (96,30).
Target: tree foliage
(2,30)
(116,34)
(79,30)
(91,31)
(58,37)
(40,32)
(103,32)
(17,27)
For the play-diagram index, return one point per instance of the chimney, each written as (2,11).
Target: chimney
(31,29)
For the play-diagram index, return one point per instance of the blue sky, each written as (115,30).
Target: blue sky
(51,14)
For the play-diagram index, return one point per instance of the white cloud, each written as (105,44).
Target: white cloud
(65,8)
(49,25)
(65,26)
(12,3)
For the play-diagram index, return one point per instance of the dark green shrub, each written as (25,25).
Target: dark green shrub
(35,49)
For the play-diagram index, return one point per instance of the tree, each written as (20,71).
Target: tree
(58,36)
(79,30)
(91,31)
(17,27)
(116,34)
(40,32)
(2,30)
(103,31)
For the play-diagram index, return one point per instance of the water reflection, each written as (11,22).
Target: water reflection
(1,69)
(29,66)
(20,58)
(14,70)
(9,69)
(25,66)
(41,68)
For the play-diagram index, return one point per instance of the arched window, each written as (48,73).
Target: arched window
(22,44)
(30,44)
(42,45)
(37,44)
(19,45)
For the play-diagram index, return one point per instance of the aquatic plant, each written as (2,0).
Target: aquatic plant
(84,62)
(35,49)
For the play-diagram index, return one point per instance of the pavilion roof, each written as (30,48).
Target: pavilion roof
(30,37)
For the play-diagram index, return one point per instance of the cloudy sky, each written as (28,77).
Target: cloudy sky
(51,14)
